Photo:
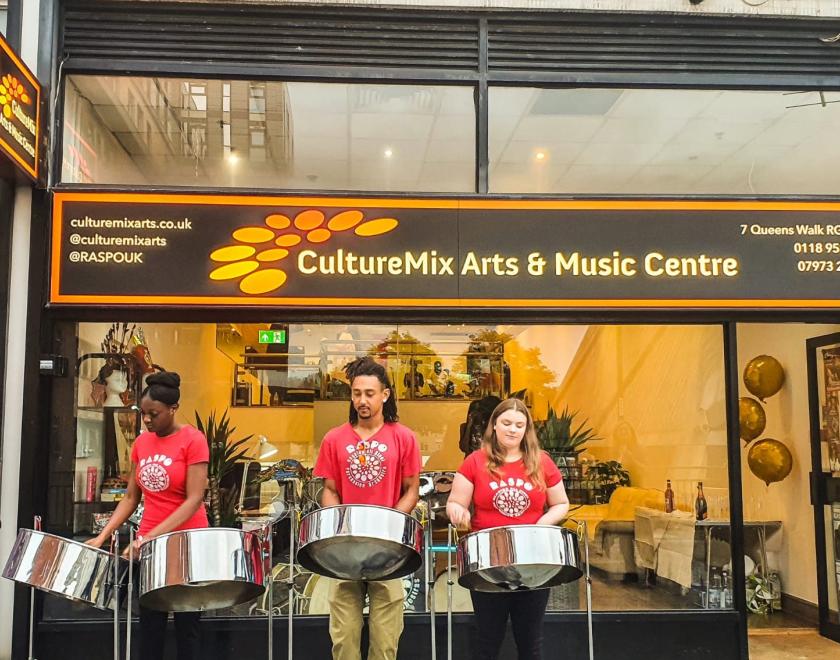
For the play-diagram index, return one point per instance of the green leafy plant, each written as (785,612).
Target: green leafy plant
(608,475)
(223,456)
(558,433)
(759,594)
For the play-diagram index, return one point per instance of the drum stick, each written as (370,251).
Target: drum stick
(36,525)
(115,551)
(449,583)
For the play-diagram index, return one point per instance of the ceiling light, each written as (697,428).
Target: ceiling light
(540,155)
(232,157)
(388,152)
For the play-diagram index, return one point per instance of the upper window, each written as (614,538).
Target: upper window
(268,134)
(648,141)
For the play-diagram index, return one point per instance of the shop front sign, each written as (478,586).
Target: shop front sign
(167,249)
(20,113)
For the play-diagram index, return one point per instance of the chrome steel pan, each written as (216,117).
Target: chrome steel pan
(65,568)
(518,557)
(360,542)
(201,569)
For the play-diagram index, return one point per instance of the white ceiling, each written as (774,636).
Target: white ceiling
(665,141)
(422,138)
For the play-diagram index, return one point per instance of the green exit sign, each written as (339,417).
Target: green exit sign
(272,336)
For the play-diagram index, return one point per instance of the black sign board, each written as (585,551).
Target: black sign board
(20,112)
(115,248)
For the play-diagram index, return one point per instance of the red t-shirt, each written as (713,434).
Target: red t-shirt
(162,474)
(369,471)
(511,499)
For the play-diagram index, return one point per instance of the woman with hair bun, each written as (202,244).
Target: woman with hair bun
(169,469)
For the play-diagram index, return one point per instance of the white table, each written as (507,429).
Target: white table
(665,543)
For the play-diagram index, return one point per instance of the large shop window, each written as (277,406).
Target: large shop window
(646,141)
(268,134)
(650,400)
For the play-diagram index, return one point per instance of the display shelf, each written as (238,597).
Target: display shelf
(103,434)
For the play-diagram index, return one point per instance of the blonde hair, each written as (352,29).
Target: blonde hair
(530,446)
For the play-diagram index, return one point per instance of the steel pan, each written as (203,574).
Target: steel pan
(65,568)
(518,557)
(201,569)
(360,542)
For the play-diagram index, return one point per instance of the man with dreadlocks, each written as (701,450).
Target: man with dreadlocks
(373,459)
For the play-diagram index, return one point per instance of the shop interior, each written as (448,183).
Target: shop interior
(622,409)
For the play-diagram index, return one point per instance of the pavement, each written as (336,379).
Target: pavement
(796,644)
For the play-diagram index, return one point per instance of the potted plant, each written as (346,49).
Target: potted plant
(564,441)
(223,456)
(607,476)
(559,436)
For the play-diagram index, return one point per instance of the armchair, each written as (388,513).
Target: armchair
(611,528)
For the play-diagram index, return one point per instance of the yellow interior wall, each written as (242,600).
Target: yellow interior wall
(655,395)
(206,377)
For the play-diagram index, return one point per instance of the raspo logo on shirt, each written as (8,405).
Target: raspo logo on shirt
(20,100)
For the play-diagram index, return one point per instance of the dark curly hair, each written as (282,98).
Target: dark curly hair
(164,387)
(367,366)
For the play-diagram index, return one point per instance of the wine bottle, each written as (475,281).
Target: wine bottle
(701,509)
(669,498)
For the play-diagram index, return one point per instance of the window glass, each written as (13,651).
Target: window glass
(324,136)
(633,408)
(662,141)
(778,394)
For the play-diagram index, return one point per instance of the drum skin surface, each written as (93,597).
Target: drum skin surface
(518,557)
(65,568)
(201,569)
(360,542)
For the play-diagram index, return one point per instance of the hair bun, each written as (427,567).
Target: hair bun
(166,379)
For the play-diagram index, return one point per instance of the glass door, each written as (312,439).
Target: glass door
(824,403)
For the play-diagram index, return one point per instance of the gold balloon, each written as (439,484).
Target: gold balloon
(751,418)
(770,460)
(764,376)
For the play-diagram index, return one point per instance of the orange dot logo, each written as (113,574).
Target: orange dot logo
(257,255)
(11,90)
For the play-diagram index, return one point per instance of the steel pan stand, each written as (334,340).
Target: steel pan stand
(449,532)
(130,594)
(583,529)
(267,534)
(267,567)
(36,525)
(290,580)
(115,551)
(430,580)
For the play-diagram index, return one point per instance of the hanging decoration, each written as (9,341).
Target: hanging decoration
(770,460)
(751,419)
(764,376)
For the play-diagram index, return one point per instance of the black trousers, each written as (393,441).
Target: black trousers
(526,610)
(153,634)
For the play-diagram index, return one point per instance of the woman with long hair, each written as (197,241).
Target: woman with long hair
(169,469)
(508,481)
